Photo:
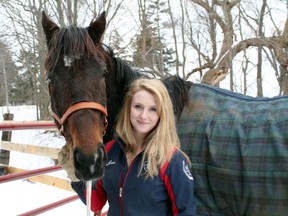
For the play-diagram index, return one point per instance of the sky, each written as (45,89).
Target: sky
(20,196)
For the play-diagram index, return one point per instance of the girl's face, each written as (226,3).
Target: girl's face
(143,113)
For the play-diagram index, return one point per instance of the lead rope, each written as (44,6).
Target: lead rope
(88,196)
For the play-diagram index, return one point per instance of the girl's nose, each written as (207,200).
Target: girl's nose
(143,114)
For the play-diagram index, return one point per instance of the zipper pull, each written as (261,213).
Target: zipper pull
(120,192)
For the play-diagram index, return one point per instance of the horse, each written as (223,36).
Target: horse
(237,144)
(79,110)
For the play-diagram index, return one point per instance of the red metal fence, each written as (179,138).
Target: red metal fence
(26,125)
(28,173)
(10,125)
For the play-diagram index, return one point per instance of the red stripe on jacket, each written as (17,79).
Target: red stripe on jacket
(167,183)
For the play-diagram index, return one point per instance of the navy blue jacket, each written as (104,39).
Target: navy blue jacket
(169,193)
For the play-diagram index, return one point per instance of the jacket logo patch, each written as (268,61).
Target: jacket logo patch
(145,166)
(110,163)
(186,170)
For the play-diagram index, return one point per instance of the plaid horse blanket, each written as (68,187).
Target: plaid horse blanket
(238,146)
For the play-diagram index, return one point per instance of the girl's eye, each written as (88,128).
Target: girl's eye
(153,109)
(137,106)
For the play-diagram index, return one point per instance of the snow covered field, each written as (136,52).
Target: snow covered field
(20,196)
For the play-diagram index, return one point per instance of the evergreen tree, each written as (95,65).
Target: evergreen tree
(8,75)
(24,88)
(151,52)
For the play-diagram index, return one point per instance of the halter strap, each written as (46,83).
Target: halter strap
(79,106)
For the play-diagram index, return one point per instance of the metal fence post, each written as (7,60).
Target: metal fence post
(5,154)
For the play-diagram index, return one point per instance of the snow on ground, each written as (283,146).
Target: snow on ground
(21,196)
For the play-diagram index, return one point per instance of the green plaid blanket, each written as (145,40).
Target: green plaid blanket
(238,146)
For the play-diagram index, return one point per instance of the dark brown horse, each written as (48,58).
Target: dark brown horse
(76,65)
(238,145)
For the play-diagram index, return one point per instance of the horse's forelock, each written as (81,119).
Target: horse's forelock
(73,42)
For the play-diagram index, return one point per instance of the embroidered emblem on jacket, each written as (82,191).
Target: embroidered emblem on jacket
(186,170)
(110,163)
(145,166)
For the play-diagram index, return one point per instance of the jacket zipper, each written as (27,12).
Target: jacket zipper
(121,188)
(120,192)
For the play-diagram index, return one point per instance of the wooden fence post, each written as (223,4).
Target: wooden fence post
(6,136)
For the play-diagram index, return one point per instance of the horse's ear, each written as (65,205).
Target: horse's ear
(97,28)
(49,27)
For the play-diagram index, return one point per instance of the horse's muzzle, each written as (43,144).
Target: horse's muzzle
(90,166)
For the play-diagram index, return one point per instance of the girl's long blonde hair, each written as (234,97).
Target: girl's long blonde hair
(161,140)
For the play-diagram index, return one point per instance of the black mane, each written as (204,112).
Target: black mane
(178,90)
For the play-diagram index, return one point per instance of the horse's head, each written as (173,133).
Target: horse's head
(76,66)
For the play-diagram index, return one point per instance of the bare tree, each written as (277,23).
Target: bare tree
(24,20)
(226,25)
(261,35)
(7,76)
(277,43)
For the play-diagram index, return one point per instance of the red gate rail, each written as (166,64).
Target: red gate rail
(28,173)
(26,125)
(54,205)
(50,206)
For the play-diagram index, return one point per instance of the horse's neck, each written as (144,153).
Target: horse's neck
(117,82)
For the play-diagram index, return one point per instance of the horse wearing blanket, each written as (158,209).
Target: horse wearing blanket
(238,146)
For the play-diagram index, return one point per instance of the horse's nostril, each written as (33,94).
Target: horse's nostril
(77,157)
(102,151)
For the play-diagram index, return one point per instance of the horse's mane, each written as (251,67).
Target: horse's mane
(73,42)
(125,72)
(178,90)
